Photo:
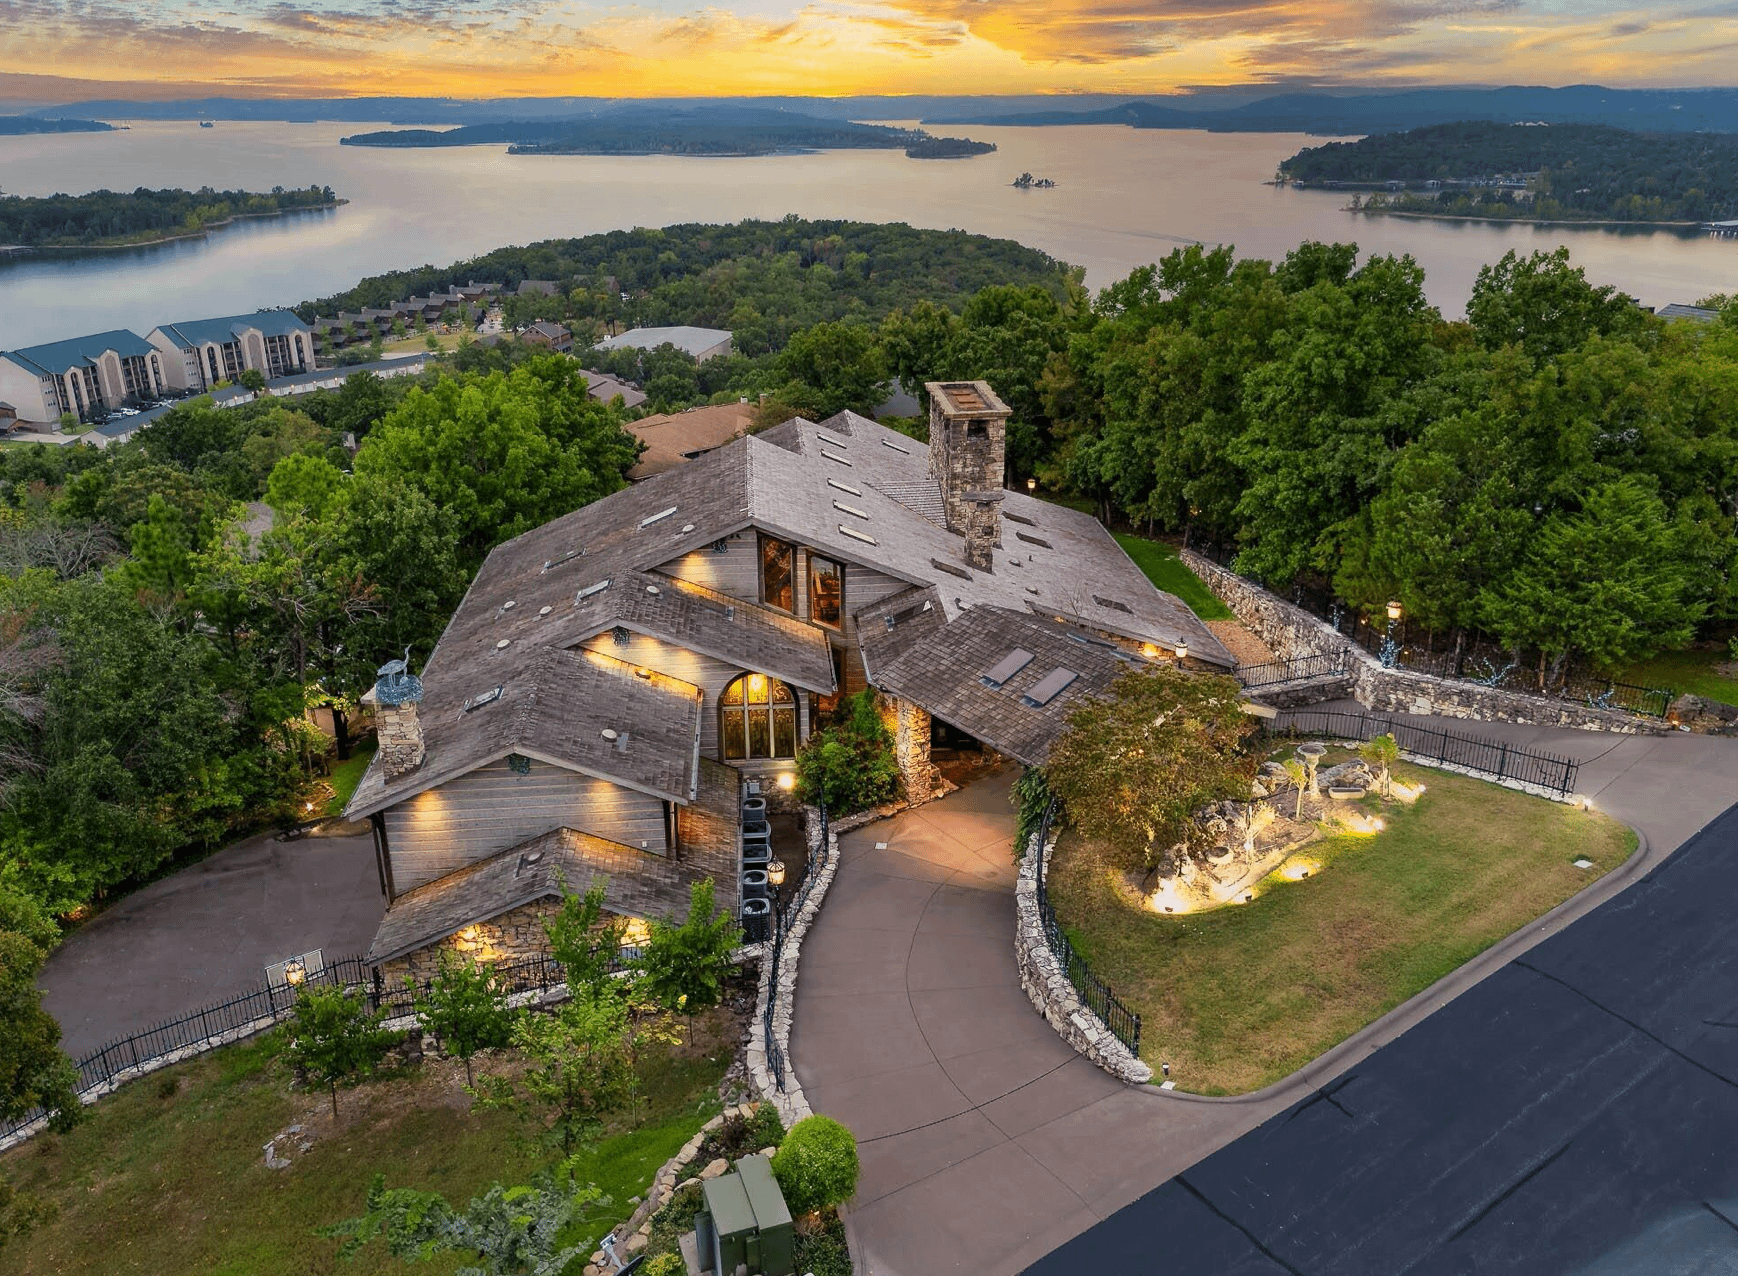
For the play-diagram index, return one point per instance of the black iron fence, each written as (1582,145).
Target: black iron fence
(1294,670)
(1123,1022)
(1496,759)
(784,913)
(253,1012)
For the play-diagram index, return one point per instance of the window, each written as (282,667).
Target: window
(778,573)
(757,718)
(826,591)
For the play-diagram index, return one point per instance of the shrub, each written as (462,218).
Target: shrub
(823,1251)
(674,1217)
(665,1265)
(1031,797)
(849,765)
(738,1136)
(816,1165)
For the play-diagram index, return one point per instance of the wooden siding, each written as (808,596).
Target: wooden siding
(865,585)
(492,808)
(735,572)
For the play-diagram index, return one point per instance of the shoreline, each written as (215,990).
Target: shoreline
(1521,221)
(201,233)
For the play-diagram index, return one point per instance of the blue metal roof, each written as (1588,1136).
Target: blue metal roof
(58,356)
(193,332)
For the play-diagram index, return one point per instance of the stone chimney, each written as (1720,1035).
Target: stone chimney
(968,444)
(395,695)
(983,528)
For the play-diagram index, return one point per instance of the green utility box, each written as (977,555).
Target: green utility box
(746,1223)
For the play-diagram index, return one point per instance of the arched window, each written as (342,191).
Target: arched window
(757,718)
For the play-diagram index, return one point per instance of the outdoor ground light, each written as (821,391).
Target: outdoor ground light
(1182,651)
(1031,485)
(1393,609)
(775,872)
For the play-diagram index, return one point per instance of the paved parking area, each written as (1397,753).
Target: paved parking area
(209,931)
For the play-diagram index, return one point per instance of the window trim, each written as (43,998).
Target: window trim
(762,540)
(779,696)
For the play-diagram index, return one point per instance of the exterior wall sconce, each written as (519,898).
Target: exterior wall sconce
(787,780)
(775,872)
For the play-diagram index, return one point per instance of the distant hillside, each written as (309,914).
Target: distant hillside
(13,125)
(738,131)
(1554,172)
(1644,110)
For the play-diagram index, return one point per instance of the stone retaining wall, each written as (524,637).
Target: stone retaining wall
(1049,987)
(1292,633)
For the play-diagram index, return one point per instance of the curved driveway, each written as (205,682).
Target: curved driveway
(986,1142)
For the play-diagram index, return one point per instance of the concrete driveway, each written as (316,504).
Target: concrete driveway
(208,932)
(986,1142)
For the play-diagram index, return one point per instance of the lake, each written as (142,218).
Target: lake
(1125,197)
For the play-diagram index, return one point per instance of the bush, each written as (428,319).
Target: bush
(736,1137)
(824,1252)
(674,1217)
(665,1265)
(816,1165)
(849,765)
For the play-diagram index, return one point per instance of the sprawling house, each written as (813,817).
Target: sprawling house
(199,353)
(86,376)
(702,343)
(612,677)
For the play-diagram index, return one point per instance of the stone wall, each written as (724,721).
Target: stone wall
(910,727)
(1292,632)
(512,937)
(1049,987)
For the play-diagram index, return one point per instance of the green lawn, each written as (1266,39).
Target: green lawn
(1162,566)
(1693,671)
(167,1184)
(1237,998)
(347,775)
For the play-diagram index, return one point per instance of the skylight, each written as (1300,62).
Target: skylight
(1049,687)
(487,697)
(856,535)
(852,510)
(844,487)
(659,517)
(1007,667)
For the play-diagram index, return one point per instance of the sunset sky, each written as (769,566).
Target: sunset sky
(56,49)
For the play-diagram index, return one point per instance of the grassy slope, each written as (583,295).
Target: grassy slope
(1162,566)
(166,1186)
(1693,671)
(347,775)
(1240,997)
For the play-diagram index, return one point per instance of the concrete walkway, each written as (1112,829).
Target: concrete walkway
(986,1142)
(208,932)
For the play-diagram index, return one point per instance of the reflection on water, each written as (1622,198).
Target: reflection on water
(1124,197)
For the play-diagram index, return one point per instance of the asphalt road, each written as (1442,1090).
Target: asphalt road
(1575,1112)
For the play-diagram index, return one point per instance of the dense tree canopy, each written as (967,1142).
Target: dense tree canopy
(118,217)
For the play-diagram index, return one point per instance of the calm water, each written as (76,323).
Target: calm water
(1125,197)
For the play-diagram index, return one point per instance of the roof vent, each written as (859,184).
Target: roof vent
(686,528)
(1018,518)
(509,605)
(1007,667)
(503,644)
(844,487)
(545,610)
(659,517)
(890,443)
(530,859)
(608,733)
(1049,687)
(478,701)
(834,456)
(591,591)
(829,440)
(653,590)
(1113,604)
(852,510)
(1033,540)
(1032,589)
(856,535)
(952,569)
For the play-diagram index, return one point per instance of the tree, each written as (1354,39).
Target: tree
(849,765)
(1544,305)
(584,940)
(333,1037)
(684,967)
(1298,772)
(576,1069)
(253,379)
(35,1073)
(465,1008)
(1135,766)
(833,366)
(512,1231)
(1381,752)
(1607,581)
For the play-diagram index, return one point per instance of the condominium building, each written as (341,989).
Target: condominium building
(86,376)
(202,352)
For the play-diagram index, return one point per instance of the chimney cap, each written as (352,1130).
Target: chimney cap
(983,495)
(970,399)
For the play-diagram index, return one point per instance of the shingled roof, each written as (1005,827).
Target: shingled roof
(849,487)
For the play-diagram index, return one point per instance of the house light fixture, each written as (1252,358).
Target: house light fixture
(787,780)
(1394,609)
(757,683)
(1182,651)
(775,872)
(295,971)
(1031,485)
